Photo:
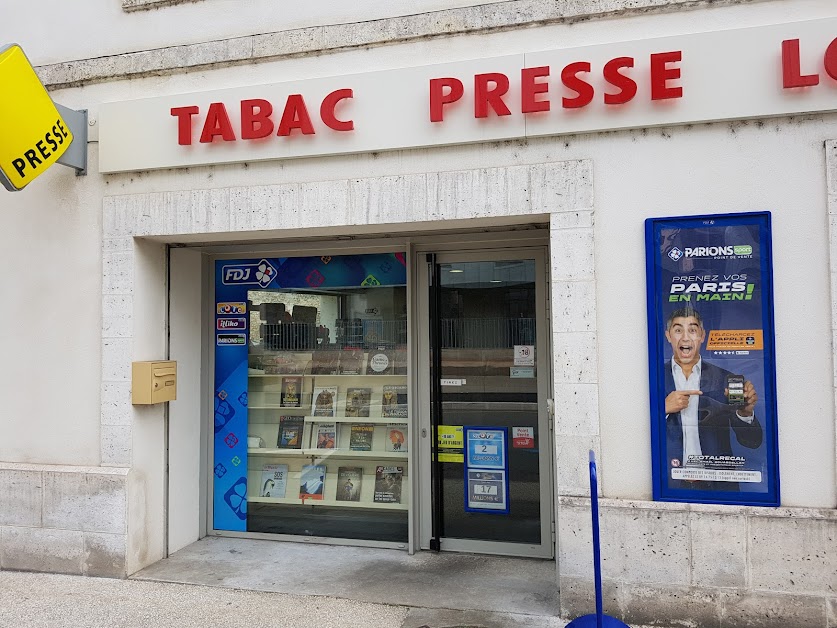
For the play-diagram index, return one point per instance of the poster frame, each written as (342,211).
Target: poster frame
(656,355)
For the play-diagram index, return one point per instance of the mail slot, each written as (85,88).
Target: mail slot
(153,382)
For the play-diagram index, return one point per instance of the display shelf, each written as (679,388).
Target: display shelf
(326,502)
(267,451)
(274,500)
(376,420)
(272,406)
(348,453)
(402,376)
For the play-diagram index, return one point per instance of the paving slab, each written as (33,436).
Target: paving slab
(380,576)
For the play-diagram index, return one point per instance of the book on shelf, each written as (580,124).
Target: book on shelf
(388,484)
(349,480)
(381,362)
(290,432)
(324,401)
(351,362)
(360,438)
(325,362)
(326,436)
(291,396)
(396,438)
(274,480)
(394,401)
(357,401)
(312,481)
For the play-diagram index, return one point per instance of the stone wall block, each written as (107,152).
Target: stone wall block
(831,170)
(519,190)
(577,596)
(651,605)
(115,210)
(121,244)
(575,358)
(488,195)
(261,200)
(579,219)
(117,272)
(117,316)
(21,496)
(324,204)
(646,546)
(832,237)
(793,555)
(116,445)
(771,610)
(577,409)
(454,190)
(573,306)
(196,220)
(218,213)
(573,463)
(282,205)
(575,544)
(66,501)
(116,359)
(116,403)
(561,186)
(393,199)
(104,555)
(242,216)
(719,550)
(831,610)
(38,549)
(571,254)
(107,499)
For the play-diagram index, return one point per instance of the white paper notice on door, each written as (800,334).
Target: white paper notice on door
(524,355)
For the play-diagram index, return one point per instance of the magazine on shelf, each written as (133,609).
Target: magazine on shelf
(396,438)
(388,484)
(290,432)
(357,401)
(324,401)
(381,362)
(291,392)
(349,480)
(274,480)
(326,436)
(351,362)
(394,401)
(325,362)
(312,481)
(361,437)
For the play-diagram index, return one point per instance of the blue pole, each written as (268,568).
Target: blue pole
(597,567)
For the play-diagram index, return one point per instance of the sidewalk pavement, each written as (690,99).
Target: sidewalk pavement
(47,600)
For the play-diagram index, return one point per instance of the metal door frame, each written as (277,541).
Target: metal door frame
(423,460)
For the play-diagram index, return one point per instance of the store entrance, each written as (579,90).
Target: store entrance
(487,473)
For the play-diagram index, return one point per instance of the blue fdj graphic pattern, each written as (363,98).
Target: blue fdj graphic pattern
(233,279)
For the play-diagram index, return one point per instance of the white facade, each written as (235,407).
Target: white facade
(82,472)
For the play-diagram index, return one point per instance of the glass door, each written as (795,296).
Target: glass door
(487,484)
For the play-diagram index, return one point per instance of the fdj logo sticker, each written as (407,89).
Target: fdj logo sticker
(675,254)
(261,273)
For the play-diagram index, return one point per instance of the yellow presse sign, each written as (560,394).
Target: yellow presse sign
(32,133)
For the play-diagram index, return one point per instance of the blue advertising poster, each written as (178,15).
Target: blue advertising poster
(233,280)
(712,359)
(486,470)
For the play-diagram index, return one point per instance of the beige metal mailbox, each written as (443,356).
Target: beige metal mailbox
(153,382)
